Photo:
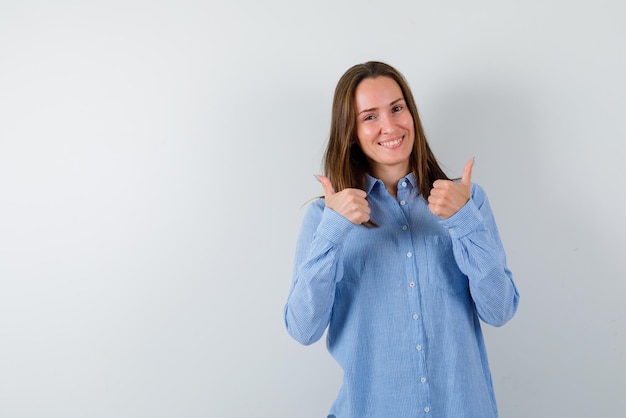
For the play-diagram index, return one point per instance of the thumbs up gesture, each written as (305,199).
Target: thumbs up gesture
(447,197)
(349,203)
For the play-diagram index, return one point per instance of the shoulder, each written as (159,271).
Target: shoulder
(479,198)
(315,207)
(478,193)
(314,212)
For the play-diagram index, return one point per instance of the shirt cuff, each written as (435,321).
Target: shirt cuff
(467,220)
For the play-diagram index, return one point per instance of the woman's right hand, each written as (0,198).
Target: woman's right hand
(349,203)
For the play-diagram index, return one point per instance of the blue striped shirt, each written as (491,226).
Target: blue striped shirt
(402,303)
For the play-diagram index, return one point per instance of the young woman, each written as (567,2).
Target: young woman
(399,262)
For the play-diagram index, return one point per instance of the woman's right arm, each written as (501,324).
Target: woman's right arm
(317,269)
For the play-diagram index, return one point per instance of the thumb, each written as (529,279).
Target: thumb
(326,184)
(467,173)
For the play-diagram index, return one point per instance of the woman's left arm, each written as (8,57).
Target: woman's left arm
(480,256)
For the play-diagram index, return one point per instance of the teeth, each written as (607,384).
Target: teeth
(391,143)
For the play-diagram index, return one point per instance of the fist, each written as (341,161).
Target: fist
(447,197)
(349,203)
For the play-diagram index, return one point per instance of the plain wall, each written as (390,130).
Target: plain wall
(156,158)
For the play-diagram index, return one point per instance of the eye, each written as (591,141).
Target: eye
(397,108)
(369,117)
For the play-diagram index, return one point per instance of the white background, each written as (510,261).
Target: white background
(155,162)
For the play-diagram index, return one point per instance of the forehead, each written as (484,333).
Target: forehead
(376,92)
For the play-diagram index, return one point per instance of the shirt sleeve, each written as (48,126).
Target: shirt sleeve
(480,256)
(317,269)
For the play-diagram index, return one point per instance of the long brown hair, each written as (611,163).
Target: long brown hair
(344,162)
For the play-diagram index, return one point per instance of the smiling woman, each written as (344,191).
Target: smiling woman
(345,162)
(389,294)
(385,129)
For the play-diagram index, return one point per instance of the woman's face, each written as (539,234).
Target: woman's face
(384,126)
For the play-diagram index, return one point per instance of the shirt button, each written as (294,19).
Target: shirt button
(404,184)
(402,202)
(409,254)
(427,409)
(412,284)
(404,227)
(423,380)
(418,348)
(416,316)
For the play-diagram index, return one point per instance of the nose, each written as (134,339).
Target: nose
(386,123)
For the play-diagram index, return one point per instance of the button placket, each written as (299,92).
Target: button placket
(404,204)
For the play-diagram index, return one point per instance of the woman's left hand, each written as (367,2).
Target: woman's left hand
(448,197)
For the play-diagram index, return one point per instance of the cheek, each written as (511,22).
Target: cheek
(408,122)
(408,125)
(364,141)
(365,134)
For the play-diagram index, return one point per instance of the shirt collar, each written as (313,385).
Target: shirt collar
(371,182)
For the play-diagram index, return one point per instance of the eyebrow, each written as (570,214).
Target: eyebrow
(375,108)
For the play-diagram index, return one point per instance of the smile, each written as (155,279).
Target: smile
(393,143)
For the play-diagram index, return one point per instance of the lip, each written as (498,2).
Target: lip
(392,143)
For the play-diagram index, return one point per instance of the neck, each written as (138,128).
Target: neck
(390,176)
